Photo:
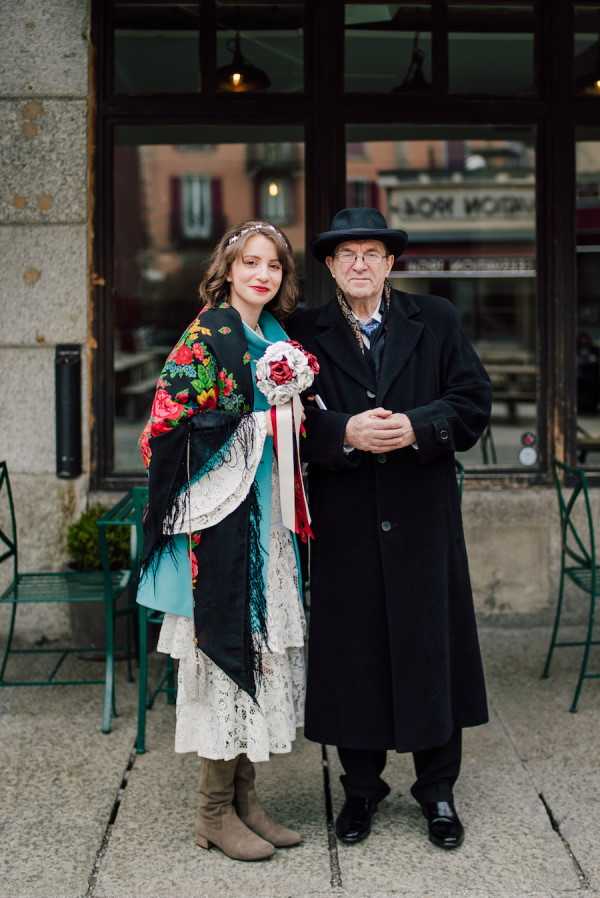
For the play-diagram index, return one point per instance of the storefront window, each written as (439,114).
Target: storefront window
(388,47)
(176,190)
(467,200)
(588,291)
(586,64)
(490,48)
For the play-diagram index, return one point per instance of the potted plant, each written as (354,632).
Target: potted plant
(83,544)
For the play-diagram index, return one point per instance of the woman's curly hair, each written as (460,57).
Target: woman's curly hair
(214,286)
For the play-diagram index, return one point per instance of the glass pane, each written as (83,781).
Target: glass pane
(388,47)
(176,190)
(586,66)
(156,47)
(466,197)
(260,46)
(588,295)
(490,48)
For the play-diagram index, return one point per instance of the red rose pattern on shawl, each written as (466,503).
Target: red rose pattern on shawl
(190,382)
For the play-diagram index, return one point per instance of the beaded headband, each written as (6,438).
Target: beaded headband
(256,227)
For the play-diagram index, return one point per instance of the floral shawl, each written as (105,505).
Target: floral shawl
(204,399)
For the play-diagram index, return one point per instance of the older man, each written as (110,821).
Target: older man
(394,661)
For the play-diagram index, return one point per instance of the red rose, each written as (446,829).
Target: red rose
(183,356)
(163,408)
(313,363)
(280,372)
(158,427)
(198,351)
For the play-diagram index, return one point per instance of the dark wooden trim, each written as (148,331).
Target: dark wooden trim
(439,46)
(223,108)
(325,165)
(558,234)
(377,109)
(207,47)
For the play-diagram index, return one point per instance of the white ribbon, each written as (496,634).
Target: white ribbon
(288,419)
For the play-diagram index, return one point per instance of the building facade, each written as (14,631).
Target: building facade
(134,133)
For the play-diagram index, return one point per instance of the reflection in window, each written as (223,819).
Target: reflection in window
(170,208)
(586,64)
(156,62)
(388,47)
(266,43)
(156,47)
(196,207)
(276,201)
(588,295)
(467,201)
(490,48)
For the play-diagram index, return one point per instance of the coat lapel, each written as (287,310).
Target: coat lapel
(403,331)
(337,340)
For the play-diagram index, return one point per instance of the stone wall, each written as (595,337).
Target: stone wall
(43,282)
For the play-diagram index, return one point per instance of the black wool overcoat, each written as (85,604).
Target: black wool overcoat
(394,658)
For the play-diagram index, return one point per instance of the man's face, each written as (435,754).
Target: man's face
(360,268)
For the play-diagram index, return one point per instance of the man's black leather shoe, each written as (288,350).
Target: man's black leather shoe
(354,820)
(445,829)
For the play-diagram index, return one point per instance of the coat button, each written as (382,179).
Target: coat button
(443,434)
(370,394)
(382,458)
(386,526)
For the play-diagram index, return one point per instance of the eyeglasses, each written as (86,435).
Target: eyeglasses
(370,258)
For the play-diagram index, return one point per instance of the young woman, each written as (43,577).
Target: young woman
(217,557)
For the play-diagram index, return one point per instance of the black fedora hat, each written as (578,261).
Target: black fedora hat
(358,224)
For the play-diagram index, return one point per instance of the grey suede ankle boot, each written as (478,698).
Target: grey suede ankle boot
(253,814)
(218,822)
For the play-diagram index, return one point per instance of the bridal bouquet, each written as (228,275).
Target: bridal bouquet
(284,371)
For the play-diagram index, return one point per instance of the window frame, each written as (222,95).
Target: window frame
(324,110)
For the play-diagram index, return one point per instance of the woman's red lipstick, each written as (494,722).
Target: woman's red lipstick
(260,289)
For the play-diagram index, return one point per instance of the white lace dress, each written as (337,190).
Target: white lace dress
(215,718)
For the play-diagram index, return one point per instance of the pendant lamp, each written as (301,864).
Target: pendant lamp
(240,76)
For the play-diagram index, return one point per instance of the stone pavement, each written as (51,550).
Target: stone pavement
(81,816)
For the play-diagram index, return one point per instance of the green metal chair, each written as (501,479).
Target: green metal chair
(43,587)
(131,511)
(578,563)
(166,682)
(488,447)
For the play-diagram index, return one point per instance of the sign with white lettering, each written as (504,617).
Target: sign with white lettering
(474,205)
(467,264)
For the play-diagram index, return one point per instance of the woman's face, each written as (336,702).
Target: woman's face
(255,275)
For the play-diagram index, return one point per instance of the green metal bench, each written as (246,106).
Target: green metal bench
(129,511)
(43,587)
(578,563)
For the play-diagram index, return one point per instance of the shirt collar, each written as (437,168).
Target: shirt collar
(376,316)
